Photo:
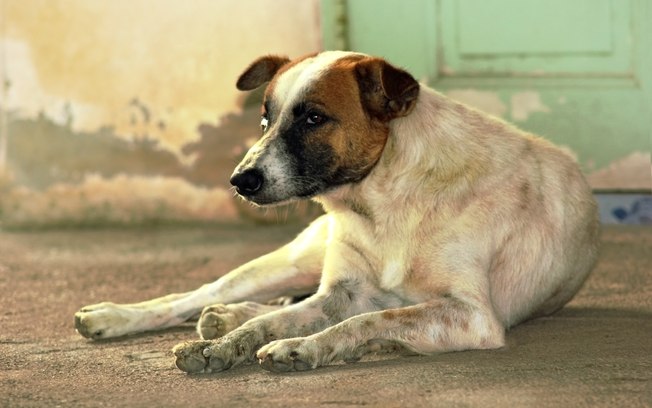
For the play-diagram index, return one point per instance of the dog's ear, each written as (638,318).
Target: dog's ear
(260,71)
(387,92)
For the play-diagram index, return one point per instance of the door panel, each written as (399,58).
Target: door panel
(543,26)
(536,37)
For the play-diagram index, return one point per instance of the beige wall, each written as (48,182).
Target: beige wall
(112,93)
(92,58)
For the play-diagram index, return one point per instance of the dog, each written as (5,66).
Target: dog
(443,226)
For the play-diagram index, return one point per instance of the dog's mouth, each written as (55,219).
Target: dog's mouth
(262,201)
(263,197)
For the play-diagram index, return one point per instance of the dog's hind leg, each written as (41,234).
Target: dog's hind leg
(292,270)
(439,325)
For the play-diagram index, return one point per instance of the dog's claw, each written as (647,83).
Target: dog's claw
(268,363)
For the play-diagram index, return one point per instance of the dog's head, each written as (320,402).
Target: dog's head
(325,121)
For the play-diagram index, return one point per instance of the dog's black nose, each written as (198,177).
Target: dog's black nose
(247,182)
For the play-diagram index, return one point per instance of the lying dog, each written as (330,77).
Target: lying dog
(444,226)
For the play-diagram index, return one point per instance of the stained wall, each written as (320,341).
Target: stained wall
(126,111)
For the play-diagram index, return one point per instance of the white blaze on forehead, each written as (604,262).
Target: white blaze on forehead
(295,81)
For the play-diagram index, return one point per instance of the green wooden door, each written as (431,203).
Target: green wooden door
(576,72)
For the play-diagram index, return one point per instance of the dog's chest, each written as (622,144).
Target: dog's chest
(387,239)
(392,248)
(394,263)
(392,272)
(386,252)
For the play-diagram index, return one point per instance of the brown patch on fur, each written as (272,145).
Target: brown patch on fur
(524,198)
(405,315)
(389,315)
(387,92)
(356,139)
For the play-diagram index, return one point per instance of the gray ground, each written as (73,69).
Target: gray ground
(595,352)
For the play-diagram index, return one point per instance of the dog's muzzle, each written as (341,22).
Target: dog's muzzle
(247,182)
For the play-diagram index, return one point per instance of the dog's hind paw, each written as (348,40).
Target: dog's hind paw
(216,321)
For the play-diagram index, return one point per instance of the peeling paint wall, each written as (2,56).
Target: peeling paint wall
(154,67)
(632,172)
(525,103)
(126,102)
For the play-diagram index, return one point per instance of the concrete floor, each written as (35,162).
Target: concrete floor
(595,352)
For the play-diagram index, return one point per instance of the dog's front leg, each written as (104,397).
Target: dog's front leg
(292,270)
(444,324)
(330,305)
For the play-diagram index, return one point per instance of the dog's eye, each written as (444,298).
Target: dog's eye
(263,123)
(314,119)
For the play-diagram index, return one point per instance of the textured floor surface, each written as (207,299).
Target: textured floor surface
(595,352)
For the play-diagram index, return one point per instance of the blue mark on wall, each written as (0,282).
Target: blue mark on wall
(625,208)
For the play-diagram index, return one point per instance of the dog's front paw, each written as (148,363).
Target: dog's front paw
(208,356)
(105,320)
(298,354)
(190,356)
(203,356)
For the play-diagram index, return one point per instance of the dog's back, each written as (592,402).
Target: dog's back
(474,186)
